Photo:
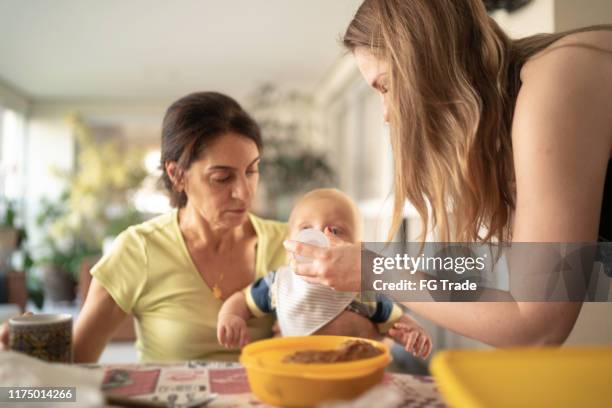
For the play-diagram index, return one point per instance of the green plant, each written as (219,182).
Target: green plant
(63,252)
(99,191)
(288,170)
(33,284)
(10,213)
(9,220)
(290,164)
(117,224)
(95,204)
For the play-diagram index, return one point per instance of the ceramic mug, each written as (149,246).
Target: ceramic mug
(44,336)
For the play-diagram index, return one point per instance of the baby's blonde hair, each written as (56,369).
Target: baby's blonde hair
(336,195)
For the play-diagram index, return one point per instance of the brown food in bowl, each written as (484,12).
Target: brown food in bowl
(350,350)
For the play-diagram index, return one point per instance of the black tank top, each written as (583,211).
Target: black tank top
(604,253)
(605,218)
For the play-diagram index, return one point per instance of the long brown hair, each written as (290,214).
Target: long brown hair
(453,83)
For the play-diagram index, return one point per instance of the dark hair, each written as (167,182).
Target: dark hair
(192,123)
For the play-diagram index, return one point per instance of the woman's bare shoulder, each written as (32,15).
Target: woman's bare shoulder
(585,50)
(562,141)
(596,38)
(572,75)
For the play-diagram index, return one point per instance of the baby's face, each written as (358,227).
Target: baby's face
(328,215)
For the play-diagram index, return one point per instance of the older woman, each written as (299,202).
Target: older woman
(174,271)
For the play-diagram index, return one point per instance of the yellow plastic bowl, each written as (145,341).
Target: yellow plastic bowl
(534,377)
(306,385)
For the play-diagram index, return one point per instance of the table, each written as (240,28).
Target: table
(177,384)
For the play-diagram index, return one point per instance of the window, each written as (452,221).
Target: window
(12,149)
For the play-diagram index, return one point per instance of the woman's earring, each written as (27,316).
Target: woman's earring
(179,186)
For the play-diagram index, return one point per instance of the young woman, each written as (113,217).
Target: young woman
(515,136)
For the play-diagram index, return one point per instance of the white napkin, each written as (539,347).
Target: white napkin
(20,370)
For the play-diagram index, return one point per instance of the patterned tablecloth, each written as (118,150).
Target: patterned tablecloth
(178,384)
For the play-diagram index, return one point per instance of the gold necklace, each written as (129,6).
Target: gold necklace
(216,290)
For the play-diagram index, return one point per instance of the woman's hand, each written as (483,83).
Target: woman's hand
(232,331)
(4,334)
(338,267)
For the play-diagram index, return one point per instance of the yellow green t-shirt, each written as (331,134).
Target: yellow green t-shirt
(150,274)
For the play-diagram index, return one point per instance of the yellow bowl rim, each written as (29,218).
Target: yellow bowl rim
(316,371)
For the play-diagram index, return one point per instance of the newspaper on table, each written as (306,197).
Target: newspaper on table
(179,384)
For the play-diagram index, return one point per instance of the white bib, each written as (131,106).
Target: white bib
(302,308)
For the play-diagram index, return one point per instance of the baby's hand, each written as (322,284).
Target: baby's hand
(232,331)
(412,336)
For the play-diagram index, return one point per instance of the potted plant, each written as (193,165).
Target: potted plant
(57,253)
(290,165)
(95,204)
(9,235)
(17,285)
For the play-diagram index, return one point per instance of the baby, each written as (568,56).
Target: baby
(304,308)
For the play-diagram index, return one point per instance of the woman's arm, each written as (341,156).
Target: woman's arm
(504,324)
(562,141)
(97,322)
